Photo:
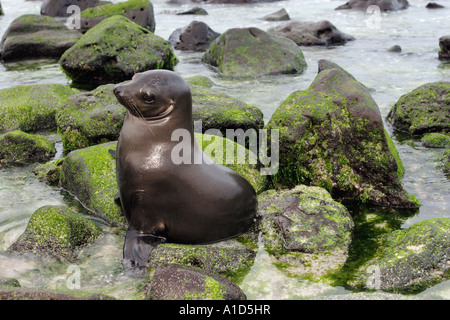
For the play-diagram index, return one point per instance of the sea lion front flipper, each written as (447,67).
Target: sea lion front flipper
(112,153)
(138,247)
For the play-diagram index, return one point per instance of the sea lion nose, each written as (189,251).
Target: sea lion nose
(117,90)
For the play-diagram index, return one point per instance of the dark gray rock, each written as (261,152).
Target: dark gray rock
(322,33)
(444,46)
(196,36)
(280,15)
(384,5)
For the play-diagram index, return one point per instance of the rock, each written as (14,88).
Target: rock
(217,110)
(436,140)
(239,1)
(395,48)
(194,11)
(31,107)
(1,10)
(229,258)
(138,11)
(58,8)
(384,5)
(20,147)
(425,109)
(410,260)
(305,230)
(90,118)
(32,36)
(445,162)
(90,175)
(9,283)
(322,33)
(113,51)
(444,45)
(332,136)
(201,81)
(434,5)
(22,294)
(251,52)
(280,15)
(174,282)
(56,231)
(49,172)
(196,36)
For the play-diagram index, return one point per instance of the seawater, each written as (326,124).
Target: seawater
(388,74)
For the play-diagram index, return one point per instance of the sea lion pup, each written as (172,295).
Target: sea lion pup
(181,203)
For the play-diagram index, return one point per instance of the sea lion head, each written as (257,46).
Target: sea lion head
(154,94)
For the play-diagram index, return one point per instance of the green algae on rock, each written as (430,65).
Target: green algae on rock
(306,232)
(139,11)
(251,52)
(424,109)
(35,36)
(90,118)
(32,107)
(217,110)
(332,136)
(436,140)
(410,260)
(56,231)
(174,282)
(90,175)
(114,50)
(20,147)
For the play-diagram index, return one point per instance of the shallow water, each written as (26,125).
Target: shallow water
(390,75)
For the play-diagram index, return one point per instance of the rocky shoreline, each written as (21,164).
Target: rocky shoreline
(333,149)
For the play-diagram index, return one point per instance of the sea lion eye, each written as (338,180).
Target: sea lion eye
(148,97)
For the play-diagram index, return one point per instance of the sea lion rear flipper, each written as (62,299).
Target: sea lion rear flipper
(138,247)
(112,152)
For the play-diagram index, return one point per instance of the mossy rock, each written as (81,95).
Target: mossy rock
(228,258)
(90,118)
(425,109)
(114,50)
(201,81)
(56,231)
(410,260)
(9,282)
(90,174)
(34,36)
(445,162)
(20,147)
(49,172)
(58,8)
(173,282)
(307,233)
(217,110)
(444,46)
(32,107)
(332,136)
(251,52)
(138,11)
(436,140)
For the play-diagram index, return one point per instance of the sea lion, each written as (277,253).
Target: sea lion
(162,201)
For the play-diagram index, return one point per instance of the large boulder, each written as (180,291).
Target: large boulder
(444,46)
(20,147)
(322,33)
(424,109)
(305,230)
(409,260)
(138,11)
(32,107)
(90,118)
(173,282)
(196,36)
(56,231)
(280,15)
(34,36)
(114,50)
(58,8)
(384,5)
(332,135)
(251,52)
